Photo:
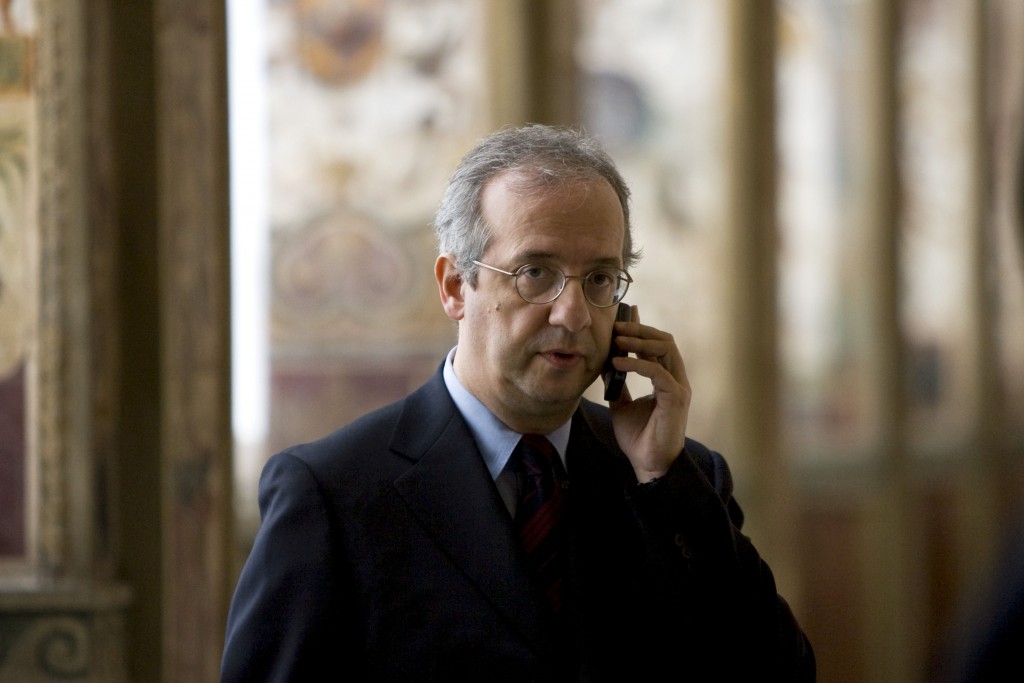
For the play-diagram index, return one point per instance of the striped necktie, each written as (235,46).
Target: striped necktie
(539,516)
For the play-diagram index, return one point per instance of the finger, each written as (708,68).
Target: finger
(661,350)
(651,369)
(663,366)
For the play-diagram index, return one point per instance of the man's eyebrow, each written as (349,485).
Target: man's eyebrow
(528,256)
(615,262)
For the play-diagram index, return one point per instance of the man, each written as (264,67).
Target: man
(407,546)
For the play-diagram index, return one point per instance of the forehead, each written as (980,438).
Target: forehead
(579,216)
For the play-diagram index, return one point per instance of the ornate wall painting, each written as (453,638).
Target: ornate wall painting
(1006,142)
(937,223)
(17,291)
(819,277)
(371,105)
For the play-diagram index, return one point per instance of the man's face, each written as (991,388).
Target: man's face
(530,363)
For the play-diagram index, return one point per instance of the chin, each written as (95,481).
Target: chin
(548,386)
(561,392)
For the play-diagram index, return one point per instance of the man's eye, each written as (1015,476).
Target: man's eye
(535,272)
(602,278)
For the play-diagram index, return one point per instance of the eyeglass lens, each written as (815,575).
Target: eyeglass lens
(541,284)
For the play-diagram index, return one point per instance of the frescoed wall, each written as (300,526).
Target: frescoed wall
(17,295)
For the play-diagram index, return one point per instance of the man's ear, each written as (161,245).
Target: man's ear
(450,285)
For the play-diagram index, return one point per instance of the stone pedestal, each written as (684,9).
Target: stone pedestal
(67,632)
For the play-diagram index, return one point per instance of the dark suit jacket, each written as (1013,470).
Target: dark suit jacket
(386,553)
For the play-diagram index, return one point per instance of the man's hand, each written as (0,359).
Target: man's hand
(651,430)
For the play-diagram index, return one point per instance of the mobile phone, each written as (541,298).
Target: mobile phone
(614,379)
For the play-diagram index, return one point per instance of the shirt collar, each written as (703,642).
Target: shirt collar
(494,438)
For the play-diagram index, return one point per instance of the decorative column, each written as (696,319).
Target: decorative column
(891,557)
(62,615)
(533,73)
(193,239)
(750,264)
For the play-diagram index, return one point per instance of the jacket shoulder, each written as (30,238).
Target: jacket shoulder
(406,426)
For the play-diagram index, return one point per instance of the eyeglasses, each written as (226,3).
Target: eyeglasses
(543,284)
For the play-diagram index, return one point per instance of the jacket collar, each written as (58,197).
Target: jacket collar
(451,492)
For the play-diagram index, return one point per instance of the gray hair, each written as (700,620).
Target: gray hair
(541,157)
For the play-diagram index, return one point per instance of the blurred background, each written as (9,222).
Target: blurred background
(215,241)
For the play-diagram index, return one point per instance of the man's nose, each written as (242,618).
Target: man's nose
(571,309)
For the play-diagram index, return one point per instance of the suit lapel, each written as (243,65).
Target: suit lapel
(450,491)
(602,569)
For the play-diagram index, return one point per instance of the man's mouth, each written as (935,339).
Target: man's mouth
(562,358)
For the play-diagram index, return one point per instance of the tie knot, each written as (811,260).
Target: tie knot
(539,458)
(540,445)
